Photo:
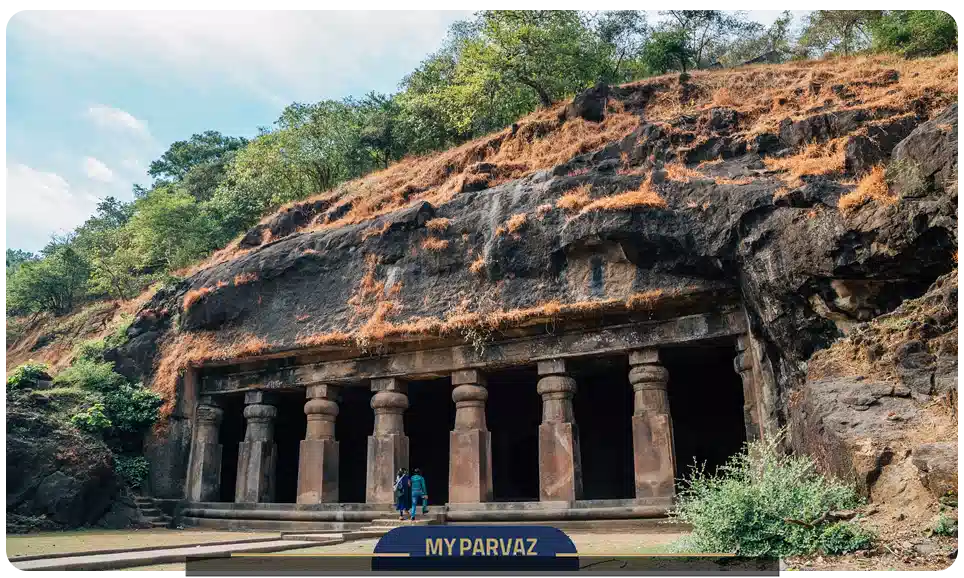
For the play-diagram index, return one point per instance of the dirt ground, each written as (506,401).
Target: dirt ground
(87,540)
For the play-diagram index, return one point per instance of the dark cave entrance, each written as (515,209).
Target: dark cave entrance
(603,407)
(289,430)
(429,419)
(229,436)
(353,425)
(513,415)
(706,404)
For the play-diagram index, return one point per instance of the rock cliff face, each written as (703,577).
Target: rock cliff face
(821,204)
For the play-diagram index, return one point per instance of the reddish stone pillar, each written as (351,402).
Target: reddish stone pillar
(204,472)
(388,444)
(743,364)
(560,466)
(470,443)
(318,457)
(258,453)
(653,452)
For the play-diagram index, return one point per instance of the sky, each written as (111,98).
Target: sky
(94,97)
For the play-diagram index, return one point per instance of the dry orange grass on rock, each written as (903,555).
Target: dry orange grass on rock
(814,159)
(438,224)
(512,225)
(244,278)
(644,196)
(435,244)
(765,94)
(574,200)
(679,172)
(873,186)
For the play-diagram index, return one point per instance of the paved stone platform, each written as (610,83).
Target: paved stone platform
(129,559)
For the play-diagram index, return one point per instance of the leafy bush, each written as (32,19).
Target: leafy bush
(92,420)
(131,409)
(915,33)
(91,350)
(90,375)
(747,505)
(132,469)
(26,374)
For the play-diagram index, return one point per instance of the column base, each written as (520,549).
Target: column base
(256,465)
(386,454)
(318,471)
(560,467)
(653,456)
(205,473)
(470,466)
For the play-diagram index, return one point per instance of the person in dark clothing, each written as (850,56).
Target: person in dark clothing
(419,492)
(403,492)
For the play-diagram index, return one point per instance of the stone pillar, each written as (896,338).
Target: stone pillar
(258,453)
(388,444)
(743,364)
(318,457)
(560,466)
(653,452)
(204,472)
(470,443)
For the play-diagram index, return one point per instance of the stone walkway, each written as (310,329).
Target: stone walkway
(162,555)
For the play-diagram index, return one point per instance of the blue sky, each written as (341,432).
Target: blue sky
(94,97)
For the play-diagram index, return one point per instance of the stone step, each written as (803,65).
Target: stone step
(150,512)
(363,534)
(325,537)
(160,523)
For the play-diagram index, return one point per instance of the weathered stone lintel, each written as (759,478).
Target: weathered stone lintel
(445,361)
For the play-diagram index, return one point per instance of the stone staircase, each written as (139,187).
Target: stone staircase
(150,513)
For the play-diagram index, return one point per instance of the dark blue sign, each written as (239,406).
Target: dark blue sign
(475,548)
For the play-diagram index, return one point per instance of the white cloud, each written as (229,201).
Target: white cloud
(40,203)
(97,170)
(280,55)
(116,119)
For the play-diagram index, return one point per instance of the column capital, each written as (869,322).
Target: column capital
(259,396)
(552,367)
(322,391)
(644,356)
(556,384)
(393,384)
(260,412)
(209,414)
(468,377)
(386,401)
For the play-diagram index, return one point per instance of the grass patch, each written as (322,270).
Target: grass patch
(873,186)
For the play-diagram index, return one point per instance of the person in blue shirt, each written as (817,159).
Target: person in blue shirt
(419,492)
(403,492)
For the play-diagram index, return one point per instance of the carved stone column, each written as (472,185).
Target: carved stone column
(653,451)
(204,472)
(388,444)
(318,456)
(258,453)
(560,465)
(470,443)
(743,364)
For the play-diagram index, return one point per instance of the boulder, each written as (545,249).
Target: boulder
(589,104)
(937,466)
(927,159)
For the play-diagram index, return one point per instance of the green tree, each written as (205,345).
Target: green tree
(708,33)
(53,283)
(198,163)
(666,50)
(914,33)
(108,246)
(622,34)
(775,42)
(841,32)
(169,230)
(16,257)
